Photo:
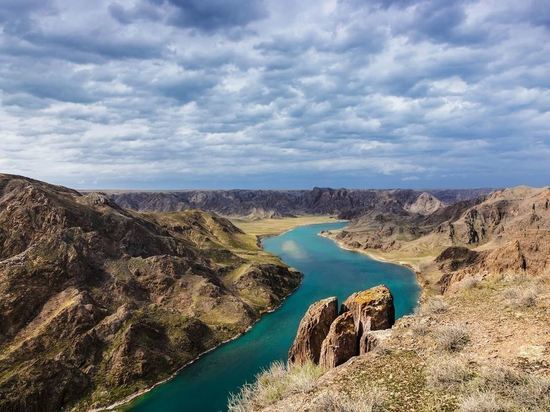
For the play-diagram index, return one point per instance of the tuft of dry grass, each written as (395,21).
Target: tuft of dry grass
(420,329)
(469,283)
(521,296)
(273,384)
(448,373)
(433,306)
(522,391)
(452,338)
(368,399)
(482,402)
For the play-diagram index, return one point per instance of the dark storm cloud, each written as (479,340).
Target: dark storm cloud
(275,93)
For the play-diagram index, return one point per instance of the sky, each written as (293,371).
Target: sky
(175,94)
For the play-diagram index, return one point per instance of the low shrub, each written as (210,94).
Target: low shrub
(521,297)
(469,283)
(368,399)
(448,373)
(420,329)
(434,305)
(452,338)
(482,402)
(523,391)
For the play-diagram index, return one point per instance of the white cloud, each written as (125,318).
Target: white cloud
(277,94)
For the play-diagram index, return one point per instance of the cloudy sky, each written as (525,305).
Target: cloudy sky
(275,93)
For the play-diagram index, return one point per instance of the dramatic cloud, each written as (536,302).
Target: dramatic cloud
(275,93)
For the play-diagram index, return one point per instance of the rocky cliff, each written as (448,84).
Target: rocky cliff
(346,203)
(329,338)
(98,302)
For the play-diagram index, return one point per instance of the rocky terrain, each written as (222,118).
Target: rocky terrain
(98,302)
(479,341)
(259,204)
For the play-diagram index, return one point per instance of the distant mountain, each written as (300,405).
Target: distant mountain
(98,302)
(346,203)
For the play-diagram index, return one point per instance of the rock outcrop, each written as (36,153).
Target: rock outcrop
(340,343)
(312,330)
(330,340)
(372,309)
(425,204)
(98,302)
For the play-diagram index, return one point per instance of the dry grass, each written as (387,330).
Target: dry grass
(521,296)
(273,384)
(517,389)
(469,283)
(368,399)
(482,402)
(433,306)
(452,338)
(448,373)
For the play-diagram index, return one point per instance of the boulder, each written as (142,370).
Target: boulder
(313,329)
(372,309)
(340,343)
(371,339)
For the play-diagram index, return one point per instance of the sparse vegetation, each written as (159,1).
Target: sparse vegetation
(482,402)
(368,399)
(448,373)
(517,389)
(521,296)
(420,329)
(452,338)
(434,305)
(275,383)
(469,283)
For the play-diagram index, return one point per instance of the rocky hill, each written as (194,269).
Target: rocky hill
(98,302)
(346,203)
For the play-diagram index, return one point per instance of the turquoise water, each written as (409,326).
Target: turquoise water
(328,271)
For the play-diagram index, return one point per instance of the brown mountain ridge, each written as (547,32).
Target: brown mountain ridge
(98,302)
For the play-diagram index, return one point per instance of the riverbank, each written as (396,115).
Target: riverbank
(426,273)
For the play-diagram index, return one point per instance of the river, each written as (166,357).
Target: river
(328,270)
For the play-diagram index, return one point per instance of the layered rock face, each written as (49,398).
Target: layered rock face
(340,343)
(97,302)
(372,309)
(312,330)
(338,338)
